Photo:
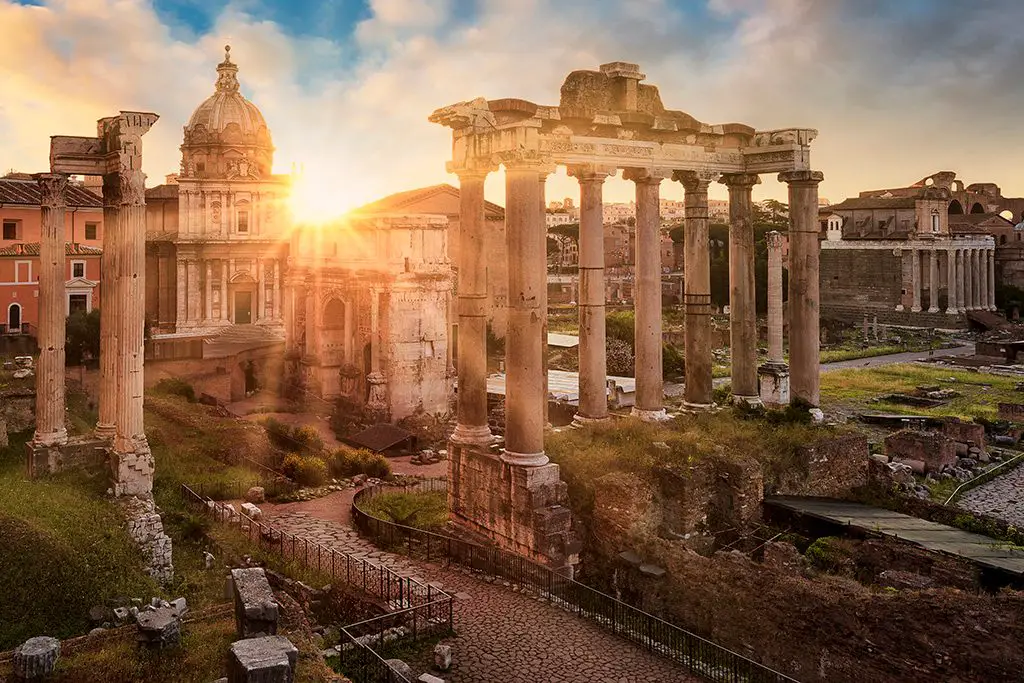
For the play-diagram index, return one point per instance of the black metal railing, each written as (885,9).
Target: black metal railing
(273,486)
(701,656)
(414,610)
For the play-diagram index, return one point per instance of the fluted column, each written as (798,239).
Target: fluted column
(697,293)
(50,429)
(181,284)
(933,281)
(526,237)
(776,353)
(276,304)
(915,280)
(804,290)
(471,427)
(109,301)
(208,292)
(968,279)
(952,302)
(593,366)
(978,277)
(983,279)
(961,281)
(261,290)
(224,290)
(992,279)
(742,296)
(542,217)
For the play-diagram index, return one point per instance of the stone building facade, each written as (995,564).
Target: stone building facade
(907,257)
(367,304)
(216,231)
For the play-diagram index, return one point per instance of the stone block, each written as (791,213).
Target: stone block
(255,495)
(256,609)
(966,432)
(400,667)
(442,657)
(429,678)
(935,450)
(773,384)
(267,659)
(251,511)
(159,628)
(36,657)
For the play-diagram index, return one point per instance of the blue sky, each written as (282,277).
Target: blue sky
(897,89)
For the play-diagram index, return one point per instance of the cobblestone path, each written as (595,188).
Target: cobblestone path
(503,634)
(1003,497)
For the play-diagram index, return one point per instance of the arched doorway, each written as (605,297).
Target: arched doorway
(242,289)
(977,208)
(956,208)
(14,318)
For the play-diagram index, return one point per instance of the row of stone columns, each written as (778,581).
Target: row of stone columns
(526,394)
(970,279)
(194,274)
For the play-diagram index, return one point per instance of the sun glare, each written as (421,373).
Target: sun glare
(320,198)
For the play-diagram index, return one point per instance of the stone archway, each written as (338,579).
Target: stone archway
(956,208)
(14,317)
(977,208)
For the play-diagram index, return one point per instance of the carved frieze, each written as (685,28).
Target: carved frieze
(784,136)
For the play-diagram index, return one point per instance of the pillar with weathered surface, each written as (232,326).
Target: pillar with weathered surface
(50,429)
(804,340)
(976,277)
(224,290)
(208,291)
(109,298)
(952,302)
(697,283)
(181,285)
(133,461)
(593,404)
(933,281)
(968,272)
(276,303)
(961,281)
(650,394)
(915,279)
(992,280)
(983,279)
(542,217)
(742,297)
(527,277)
(472,427)
(773,376)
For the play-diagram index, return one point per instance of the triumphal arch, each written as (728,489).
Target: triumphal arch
(606,121)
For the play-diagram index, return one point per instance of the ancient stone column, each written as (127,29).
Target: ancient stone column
(933,281)
(109,302)
(542,217)
(208,292)
(593,366)
(647,297)
(804,311)
(377,401)
(181,284)
(742,297)
(132,459)
(223,290)
(992,280)
(983,279)
(310,349)
(961,281)
(50,429)
(697,293)
(915,279)
(773,376)
(526,237)
(980,280)
(952,303)
(276,304)
(968,279)
(472,427)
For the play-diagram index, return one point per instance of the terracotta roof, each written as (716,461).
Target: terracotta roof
(856,203)
(976,218)
(402,200)
(32,249)
(26,193)
(162,192)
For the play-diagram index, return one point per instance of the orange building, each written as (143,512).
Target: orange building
(19,251)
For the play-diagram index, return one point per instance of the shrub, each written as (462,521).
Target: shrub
(307,439)
(279,433)
(294,439)
(619,357)
(307,470)
(176,387)
(672,363)
(348,463)
(620,325)
(422,510)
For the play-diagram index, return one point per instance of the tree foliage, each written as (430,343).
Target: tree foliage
(82,336)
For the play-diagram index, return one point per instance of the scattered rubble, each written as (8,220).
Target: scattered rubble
(36,657)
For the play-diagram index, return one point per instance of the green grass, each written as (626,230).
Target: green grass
(63,549)
(422,510)
(980,393)
(836,355)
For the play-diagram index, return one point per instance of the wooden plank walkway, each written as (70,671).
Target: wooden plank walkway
(983,550)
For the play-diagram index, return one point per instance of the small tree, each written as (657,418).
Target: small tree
(82,336)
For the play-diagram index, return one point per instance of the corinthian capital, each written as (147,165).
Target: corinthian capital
(696,181)
(740,179)
(52,189)
(801,177)
(646,175)
(590,172)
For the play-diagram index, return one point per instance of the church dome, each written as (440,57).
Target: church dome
(225,129)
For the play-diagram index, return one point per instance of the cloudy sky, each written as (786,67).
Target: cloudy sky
(897,88)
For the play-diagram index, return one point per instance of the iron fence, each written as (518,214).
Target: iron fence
(701,656)
(273,487)
(414,610)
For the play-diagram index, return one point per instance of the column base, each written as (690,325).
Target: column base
(689,405)
(583,421)
(524,459)
(58,438)
(773,384)
(993,309)
(899,308)
(658,415)
(472,435)
(952,311)
(933,309)
(103,431)
(748,401)
(915,309)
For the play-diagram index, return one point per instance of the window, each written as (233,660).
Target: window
(78,302)
(78,269)
(90,230)
(23,271)
(11,230)
(243,221)
(935,222)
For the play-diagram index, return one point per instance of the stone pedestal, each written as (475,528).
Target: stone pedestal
(36,657)
(160,628)
(82,451)
(270,659)
(521,509)
(773,384)
(256,609)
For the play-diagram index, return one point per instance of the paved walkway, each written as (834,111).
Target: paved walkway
(502,634)
(1003,497)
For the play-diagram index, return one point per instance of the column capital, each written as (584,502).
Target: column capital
(646,176)
(53,189)
(524,160)
(774,239)
(696,181)
(732,180)
(591,173)
(471,172)
(805,178)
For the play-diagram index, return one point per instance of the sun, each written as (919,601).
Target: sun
(318,198)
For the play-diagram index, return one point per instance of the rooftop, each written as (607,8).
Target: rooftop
(24,191)
(32,249)
(408,198)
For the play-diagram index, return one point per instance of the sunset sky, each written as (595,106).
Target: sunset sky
(897,88)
